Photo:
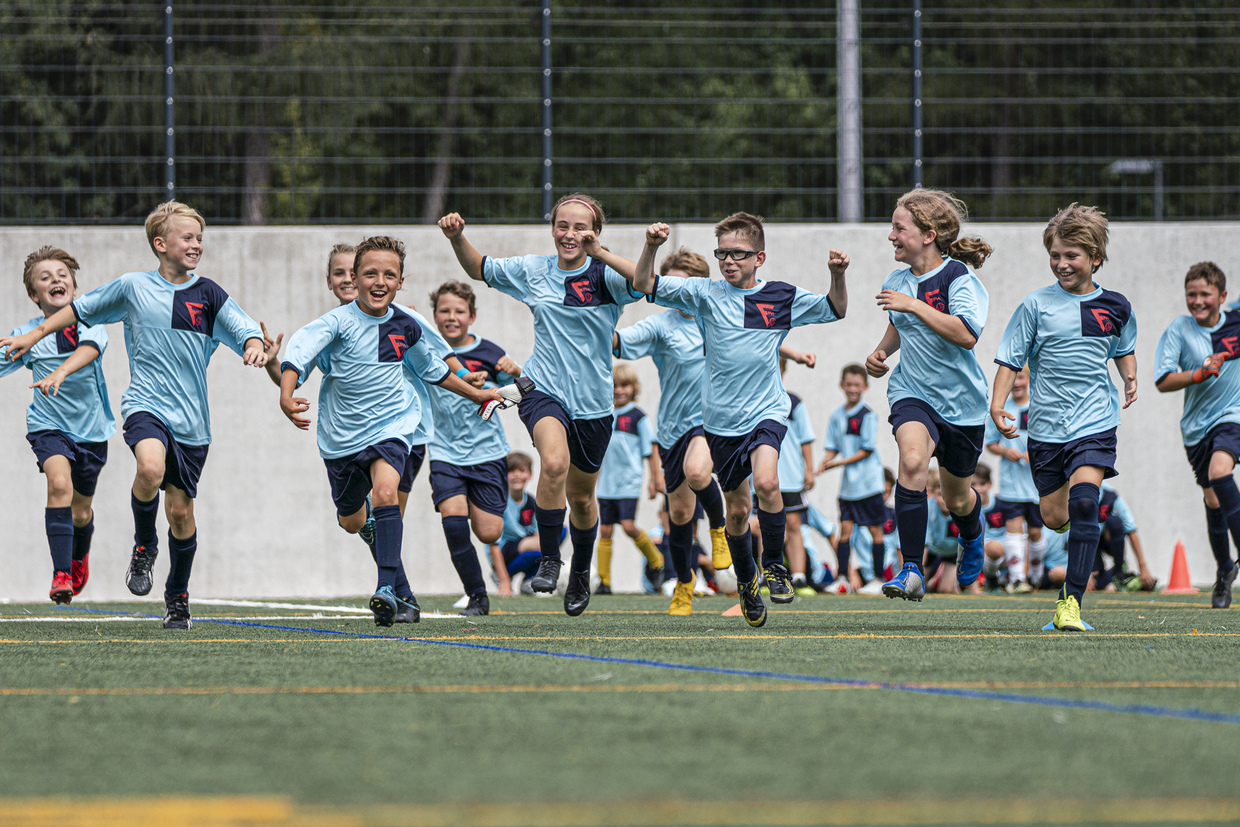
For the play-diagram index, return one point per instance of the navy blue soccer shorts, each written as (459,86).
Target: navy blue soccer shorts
(182,463)
(1054,462)
(730,454)
(86,459)
(350,476)
(587,438)
(956,447)
(485,484)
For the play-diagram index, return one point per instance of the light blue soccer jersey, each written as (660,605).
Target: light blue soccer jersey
(575,314)
(675,344)
(851,430)
(862,546)
(364,398)
(426,425)
(1184,345)
(620,476)
(1056,553)
(171,330)
(945,376)
(791,468)
(80,410)
(743,330)
(1110,502)
(1069,341)
(461,436)
(942,538)
(518,519)
(1015,478)
(994,527)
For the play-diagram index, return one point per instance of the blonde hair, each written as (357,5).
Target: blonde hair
(748,227)
(623,374)
(338,249)
(1084,227)
(160,219)
(590,201)
(686,261)
(944,214)
(47,253)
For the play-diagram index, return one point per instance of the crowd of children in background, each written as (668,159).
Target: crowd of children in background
(729,444)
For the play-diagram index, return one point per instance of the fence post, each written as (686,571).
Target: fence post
(546,109)
(917,165)
(848,134)
(169,122)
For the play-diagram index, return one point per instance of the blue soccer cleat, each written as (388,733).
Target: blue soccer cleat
(909,584)
(969,560)
(385,605)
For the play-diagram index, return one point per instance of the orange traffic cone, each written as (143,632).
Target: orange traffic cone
(1180,583)
(735,611)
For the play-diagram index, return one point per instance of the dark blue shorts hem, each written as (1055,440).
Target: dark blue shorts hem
(1054,462)
(1029,512)
(587,438)
(956,447)
(350,476)
(866,512)
(1223,437)
(730,454)
(672,458)
(485,484)
(614,511)
(413,464)
(86,459)
(182,463)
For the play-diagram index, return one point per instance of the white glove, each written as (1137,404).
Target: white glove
(511,394)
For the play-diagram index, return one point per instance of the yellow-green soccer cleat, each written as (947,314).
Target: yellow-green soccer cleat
(720,554)
(682,600)
(751,603)
(1068,615)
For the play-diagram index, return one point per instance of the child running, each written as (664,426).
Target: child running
(937,308)
(745,407)
(174,321)
(1018,497)
(1067,333)
(576,297)
(1194,356)
(369,412)
(69,421)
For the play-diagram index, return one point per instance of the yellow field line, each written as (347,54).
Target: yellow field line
(280,812)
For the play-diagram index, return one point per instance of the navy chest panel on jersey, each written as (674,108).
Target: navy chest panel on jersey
(397,335)
(794,401)
(995,519)
(67,340)
(1105,315)
(853,426)
(889,526)
(936,290)
(1106,506)
(1023,420)
(771,307)
(527,512)
(588,289)
(483,357)
(1227,338)
(626,423)
(196,307)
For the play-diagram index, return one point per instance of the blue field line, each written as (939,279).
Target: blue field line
(975,694)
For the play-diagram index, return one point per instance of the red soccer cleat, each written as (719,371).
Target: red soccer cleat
(62,587)
(79,571)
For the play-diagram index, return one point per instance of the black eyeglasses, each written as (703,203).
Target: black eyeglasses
(737,255)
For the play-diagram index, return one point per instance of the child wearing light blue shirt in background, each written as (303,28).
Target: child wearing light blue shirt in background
(1018,496)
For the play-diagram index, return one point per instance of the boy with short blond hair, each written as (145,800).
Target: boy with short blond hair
(174,320)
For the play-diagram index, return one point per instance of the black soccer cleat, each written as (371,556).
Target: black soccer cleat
(577,595)
(779,583)
(479,604)
(603,588)
(548,575)
(407,610)
(138,578)
(751,603)
(176,611)
(1221,597)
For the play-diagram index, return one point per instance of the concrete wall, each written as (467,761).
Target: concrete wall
(266,522)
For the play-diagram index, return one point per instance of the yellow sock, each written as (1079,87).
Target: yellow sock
(649,550)
(604,561)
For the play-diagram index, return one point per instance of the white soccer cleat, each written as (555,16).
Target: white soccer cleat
(511,394)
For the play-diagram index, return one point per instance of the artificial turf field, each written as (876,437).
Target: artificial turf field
(841,710)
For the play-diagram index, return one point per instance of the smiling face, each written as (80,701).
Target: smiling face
(378,281)
(180,247)
(1020,387)
(54,285)
(453,319)
(340,278)
(741,274)
(622,395)
(1073,267)
(1204,301)
(913,245)
(853,387)
(571,220)
(518,478)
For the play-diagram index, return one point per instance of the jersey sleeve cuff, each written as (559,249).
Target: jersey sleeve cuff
(837,314)
(483,270)
(76,314)
(654,291)
(443,378)
(1007,365)
(95,345)
(1122,355)
(634,293)
(969,328)
(1163,376)
(286,365)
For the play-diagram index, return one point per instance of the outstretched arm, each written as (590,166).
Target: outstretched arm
(20,345)
(453,227)
(80,358)
(837,263)
(272,348)
(642,277)
(808,359)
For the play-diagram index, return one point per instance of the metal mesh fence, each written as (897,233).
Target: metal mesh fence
(372,111)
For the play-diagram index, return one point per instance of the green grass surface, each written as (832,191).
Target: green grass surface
(357,730)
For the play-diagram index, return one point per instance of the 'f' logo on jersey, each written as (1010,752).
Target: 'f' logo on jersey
(768,313)
(1232,343)
(71,334)
(585,293)
(1104,320)
(935,299)
(398,344)
(195,313)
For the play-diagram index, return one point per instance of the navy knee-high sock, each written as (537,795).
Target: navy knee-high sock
(59,525)
(970,524)
(1115,548)
(180,563)
(1229,503)
(843,553)
(1082,537)
(912,513)
(144,521)
(583,545)
(81,539)
(680,547)
(550,526)
(464,557)
(389,534)
(1216,530)
(772,524)
(711,500)
(742,556)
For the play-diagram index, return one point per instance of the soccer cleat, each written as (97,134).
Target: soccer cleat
(384,605)
(873,588)
(779,583)
(138,578)
(79,573)
(969,560)
(682,599)
(909,584)
(720,554)
(409,611)
(548,575)
(1019,587)
(367,532)
(62,587)
(1220,599)
(603,588)
(577,594)
(176,611)
(751,603)
(479,604)
(526,589)
(1068,615)
(510,394)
